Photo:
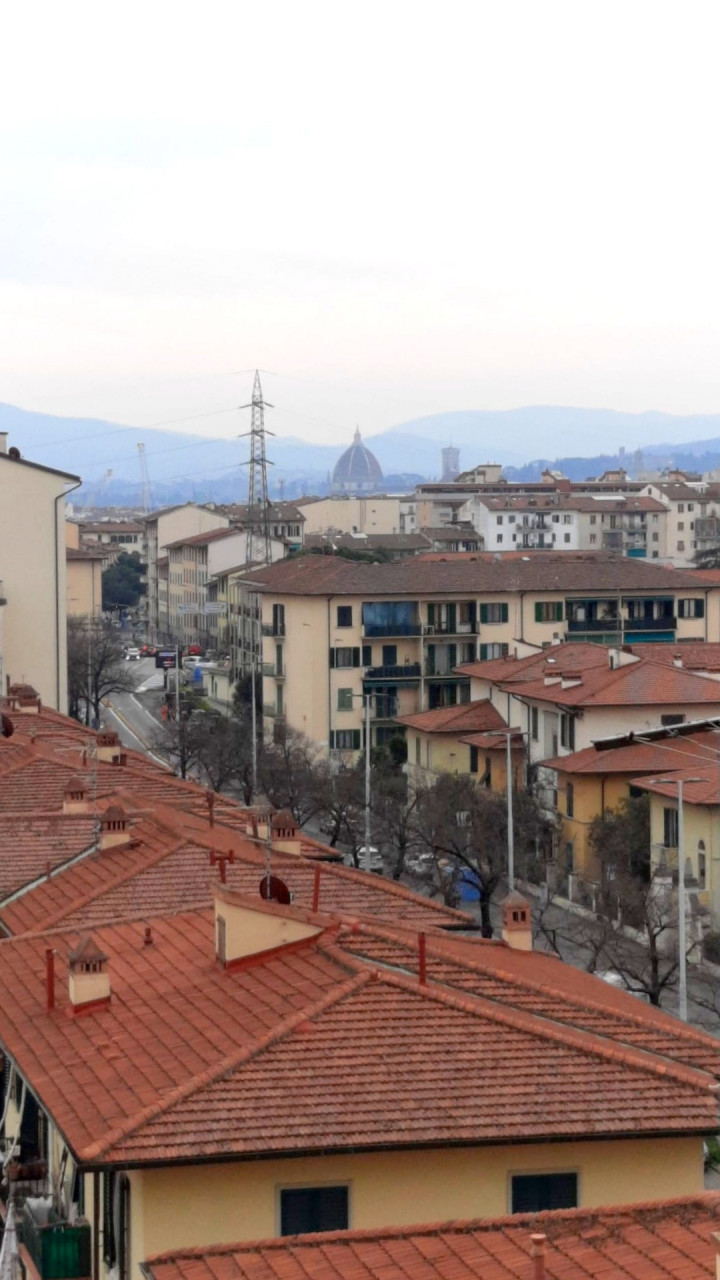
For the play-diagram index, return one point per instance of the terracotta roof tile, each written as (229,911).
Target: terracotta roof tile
(664,1240)
(637,684)
(464,718)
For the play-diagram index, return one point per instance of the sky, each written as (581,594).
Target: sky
(393,209)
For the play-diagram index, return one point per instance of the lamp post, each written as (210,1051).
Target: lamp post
(682,942)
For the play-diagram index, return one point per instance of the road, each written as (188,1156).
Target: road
(130,715)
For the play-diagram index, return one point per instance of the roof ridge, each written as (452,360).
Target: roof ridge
(229,1064)
(100,891)
(435,947)
(701,1200)
(587,1042)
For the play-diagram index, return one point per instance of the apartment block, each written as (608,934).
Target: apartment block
(335,632)
(33,575)
(163,527)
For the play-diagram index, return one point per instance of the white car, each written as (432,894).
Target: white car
(132,655)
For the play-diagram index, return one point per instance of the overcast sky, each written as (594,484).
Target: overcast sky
(395,208)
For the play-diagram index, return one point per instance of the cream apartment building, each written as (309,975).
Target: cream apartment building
(163,527)
(193,565)
(84,569)
(375,513)
(335,631)
(33,575)
(691,517)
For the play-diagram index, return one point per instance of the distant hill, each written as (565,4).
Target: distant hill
(185,466)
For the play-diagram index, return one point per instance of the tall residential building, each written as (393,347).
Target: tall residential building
(33,576)
(335,631)
(163,527)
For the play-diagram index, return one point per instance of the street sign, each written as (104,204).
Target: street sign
(188,608)
(219,606)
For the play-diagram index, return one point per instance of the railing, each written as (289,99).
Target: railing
(651,624)
(444,629)
(438,673)
(273,628)
(269,710)
(271,669)
(397,671)
(594,624)
(380,629)
(60,1250)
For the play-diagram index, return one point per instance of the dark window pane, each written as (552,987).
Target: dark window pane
(313,1209)
(534,1192)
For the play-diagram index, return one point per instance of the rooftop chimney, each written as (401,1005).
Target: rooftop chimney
(245,927)
(538,1255)
(89,980)
(517,922)
(25,699)
(108,746)
(75,798)
(113,827)
(285,837)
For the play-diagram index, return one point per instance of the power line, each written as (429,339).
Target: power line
(146,426)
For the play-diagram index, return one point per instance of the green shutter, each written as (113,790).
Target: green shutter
(558,611)
(504,612)
(452,618)
(453,655)
(356,739)
(356,657)
(367,655)
(332,657)
(538,611)
(332,739)
(483,652)
(483,612)
(504,649)
(431,615)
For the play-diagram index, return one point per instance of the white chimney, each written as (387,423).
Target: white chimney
(88,980)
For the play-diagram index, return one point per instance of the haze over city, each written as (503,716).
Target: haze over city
(393,211)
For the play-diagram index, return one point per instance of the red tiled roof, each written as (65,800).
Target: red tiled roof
(579,656)
(660,1240)
(458,719)
(702,749)
(315,1048)
(700,655)
(168,868)
(637,684)
(199,539)
(38,841)
(706,790)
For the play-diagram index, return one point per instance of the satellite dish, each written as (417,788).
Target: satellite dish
(8,728)
(273,889)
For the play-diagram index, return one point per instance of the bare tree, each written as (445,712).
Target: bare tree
(289,775)
(224,753)
(96,665)
(465,827)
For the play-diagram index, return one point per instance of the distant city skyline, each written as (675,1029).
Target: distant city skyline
(394,215)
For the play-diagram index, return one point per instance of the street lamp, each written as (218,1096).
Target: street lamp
(366,698)
(682,957)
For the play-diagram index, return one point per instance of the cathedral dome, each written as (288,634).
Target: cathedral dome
(357,470)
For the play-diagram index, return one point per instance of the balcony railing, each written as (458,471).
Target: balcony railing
(397,671)
(651,624)
(273,628)
(459,629)
(594,624)
(380,629)
(60,1250)
(272,669)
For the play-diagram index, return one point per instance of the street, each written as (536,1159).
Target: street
(129,714)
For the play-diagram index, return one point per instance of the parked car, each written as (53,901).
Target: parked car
(132,655)
(196,649)
(376,862)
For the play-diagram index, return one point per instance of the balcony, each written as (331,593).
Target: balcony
(444,628)
(270,711)
(273,628)
(402,671)
(271,669)
(383,630)
(59,1250)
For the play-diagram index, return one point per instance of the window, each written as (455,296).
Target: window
(499,537)
(593,537)
(344,657)
(555,519)
(474,759)
(313,1209)
(567,732)
(278,619)
(567,520)
(672,719)
(691,608)
(670,828)
(681,524)
(533,1192)
(567,537)
(344,615)
(490,613)
(345,700)
(548,611)
(593,519)
(389,655)
(367,655)
(417,749)
(499,519)
(489,651)
(511,519)
(345,739)
(702,866)
(691,506)
(681,506)
(570,800)
(279,704)
(116,1222)
(534,724)
(681,546)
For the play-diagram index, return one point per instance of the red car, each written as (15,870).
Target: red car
(195,650)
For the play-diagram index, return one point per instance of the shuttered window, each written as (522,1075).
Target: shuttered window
(534,1192)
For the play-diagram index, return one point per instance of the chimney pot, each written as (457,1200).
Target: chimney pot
(538,1255)
(517,922)
(148,938)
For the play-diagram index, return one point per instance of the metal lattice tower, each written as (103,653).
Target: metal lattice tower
(257,524)
(146,496)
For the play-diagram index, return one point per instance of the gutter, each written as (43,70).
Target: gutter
(63,496)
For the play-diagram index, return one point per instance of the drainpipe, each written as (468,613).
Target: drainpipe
(60,497)
(329,679)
